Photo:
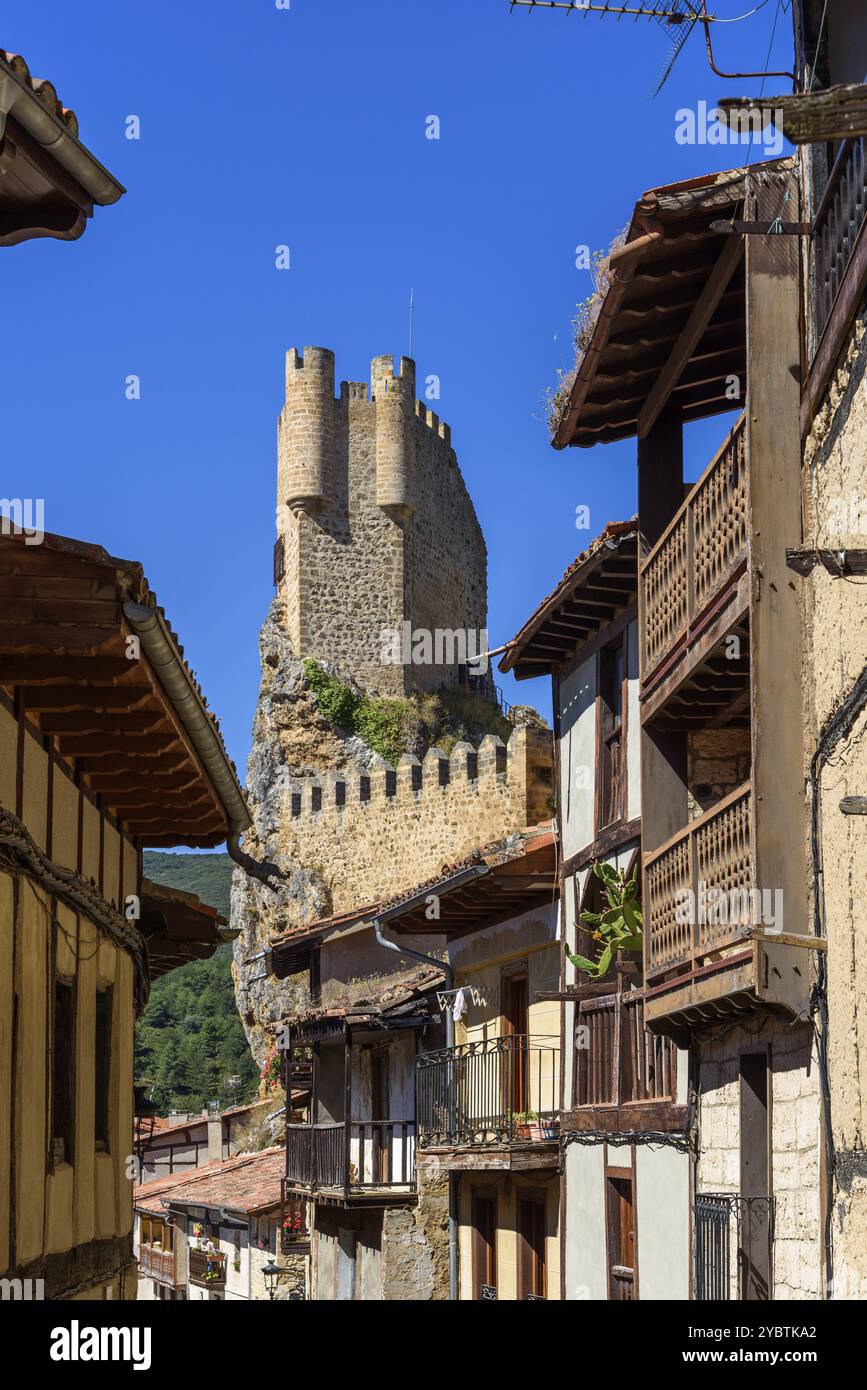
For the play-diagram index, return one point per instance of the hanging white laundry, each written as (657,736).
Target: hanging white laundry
(459,1007)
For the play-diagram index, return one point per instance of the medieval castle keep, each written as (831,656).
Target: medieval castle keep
(375,525)
(376,530)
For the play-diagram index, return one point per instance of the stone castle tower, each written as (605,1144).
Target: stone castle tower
(376,529)
(375,526)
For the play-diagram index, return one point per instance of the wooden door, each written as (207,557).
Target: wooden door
(621,1239)
(754,1253)
(532,1270)
(484,1219)
(379,1108)
(516,1019)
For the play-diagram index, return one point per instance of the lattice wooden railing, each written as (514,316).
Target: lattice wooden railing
(702,546)
(711,855)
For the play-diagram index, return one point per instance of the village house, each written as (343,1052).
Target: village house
(213,1234)
(180,1142)
(349,1069)
(624,1102)
(698,321)
(488,1102)
(106,747)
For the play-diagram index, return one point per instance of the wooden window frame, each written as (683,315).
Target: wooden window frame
(63,1117)
(618,642)
(102,1132)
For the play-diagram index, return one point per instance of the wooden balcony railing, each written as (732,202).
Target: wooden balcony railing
(839,218)
(712,854)
(375,1153)
(158,1264)
(617,1062)
(700,549)
(208,1270)
(494,1091)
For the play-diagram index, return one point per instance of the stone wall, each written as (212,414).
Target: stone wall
(718,763)
(794,1110)
(835,656)
(377,831)
(415,1243)
(376,522)
(375,834)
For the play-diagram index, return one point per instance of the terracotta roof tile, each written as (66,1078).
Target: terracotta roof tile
(44,90)
(246,1183)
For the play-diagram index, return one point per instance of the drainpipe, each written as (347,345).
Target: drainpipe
(448,971)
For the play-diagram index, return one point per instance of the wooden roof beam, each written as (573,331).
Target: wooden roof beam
(705,307)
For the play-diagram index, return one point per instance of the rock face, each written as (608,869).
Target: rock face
(290,740)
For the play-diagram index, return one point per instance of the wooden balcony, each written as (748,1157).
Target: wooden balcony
(367,1158)
(838,267)
(689,585)
(625,1077)
(707,951)
(160,1265)
(206,1270)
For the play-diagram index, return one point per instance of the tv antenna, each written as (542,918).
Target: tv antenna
(677,17)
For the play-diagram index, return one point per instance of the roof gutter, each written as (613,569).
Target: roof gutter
(17,100)
(624,256)
(163,655)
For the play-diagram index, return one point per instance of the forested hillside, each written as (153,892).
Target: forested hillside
(189,1041)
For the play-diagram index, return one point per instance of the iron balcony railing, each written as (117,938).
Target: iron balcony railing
(502,1090)
(837,226)
(686,916)
(733,1244)
(617,1061)
(700,549)
(366,1154)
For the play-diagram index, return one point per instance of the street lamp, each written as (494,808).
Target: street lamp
(272,1274)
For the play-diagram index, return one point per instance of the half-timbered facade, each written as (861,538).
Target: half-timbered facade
(106,747)
(624,1119)
(702,319)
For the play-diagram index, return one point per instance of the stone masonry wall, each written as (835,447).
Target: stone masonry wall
(375,834)
(794,1110)
(835,655)
(377,525)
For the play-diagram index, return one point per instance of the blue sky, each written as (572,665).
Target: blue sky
(306,127)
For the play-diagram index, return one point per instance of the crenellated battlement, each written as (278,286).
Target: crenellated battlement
(364,828)
(375,525)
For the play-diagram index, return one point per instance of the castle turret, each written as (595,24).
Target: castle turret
(395,435)
(305,433)
(376,534)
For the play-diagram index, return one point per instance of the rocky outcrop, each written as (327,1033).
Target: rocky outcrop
(291,739)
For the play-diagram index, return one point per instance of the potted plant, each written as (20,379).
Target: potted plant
(619,928)
(527,1124)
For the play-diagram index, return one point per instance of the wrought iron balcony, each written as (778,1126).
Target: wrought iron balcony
(733,1242)
(503,1090)
(701,550)
(364,1156)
